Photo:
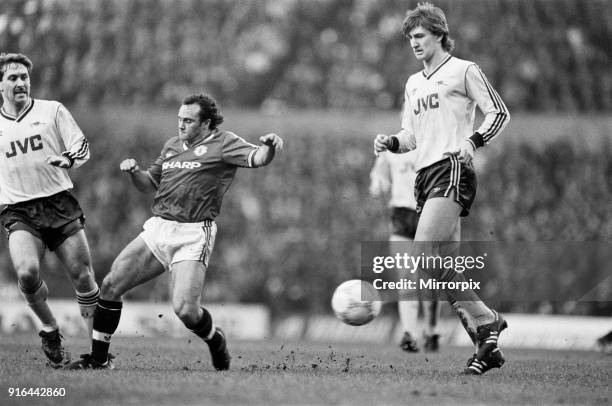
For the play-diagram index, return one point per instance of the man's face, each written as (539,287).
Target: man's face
(189,124)
(424,44)
(15,84)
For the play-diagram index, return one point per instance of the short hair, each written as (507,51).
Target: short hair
(208,109)
(431,18)
(7,59)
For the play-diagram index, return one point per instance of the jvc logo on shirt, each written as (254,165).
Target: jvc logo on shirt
(429,102)
(181,165)
(34,143)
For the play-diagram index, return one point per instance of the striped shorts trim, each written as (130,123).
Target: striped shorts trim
(171,241)
(444,177)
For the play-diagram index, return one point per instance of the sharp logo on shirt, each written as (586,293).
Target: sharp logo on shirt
(33,143)
(201,150)
(429,102)
(181,165)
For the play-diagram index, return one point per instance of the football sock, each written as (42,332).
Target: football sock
(105,322)
(431,312)
(464,317)
(204,328)
(408,314)
(88,302)
(468,299)
(36,298)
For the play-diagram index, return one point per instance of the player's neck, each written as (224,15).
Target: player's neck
(436,59)
(198,138)
(15,109)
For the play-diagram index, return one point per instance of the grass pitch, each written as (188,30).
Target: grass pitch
(178,372)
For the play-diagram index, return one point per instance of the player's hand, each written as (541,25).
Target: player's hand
(272,140)
(466,154)
(382,143)
(129,165)
(60,161)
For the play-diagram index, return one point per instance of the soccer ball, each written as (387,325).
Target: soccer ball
(348,305)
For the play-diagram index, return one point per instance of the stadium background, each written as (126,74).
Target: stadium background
(327,76)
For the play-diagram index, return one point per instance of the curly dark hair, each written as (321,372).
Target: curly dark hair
(208,108)
(431,18)
(7,59)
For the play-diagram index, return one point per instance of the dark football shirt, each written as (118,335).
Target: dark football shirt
(191,181)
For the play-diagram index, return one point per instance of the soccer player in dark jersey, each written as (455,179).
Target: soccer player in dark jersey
(190,176)
(39,142)
(438,122)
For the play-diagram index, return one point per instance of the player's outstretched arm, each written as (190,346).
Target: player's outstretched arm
(141,179)
(265,153)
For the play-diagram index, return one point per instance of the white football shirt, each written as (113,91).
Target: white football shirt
(439,109)
(43,128)
(395,173)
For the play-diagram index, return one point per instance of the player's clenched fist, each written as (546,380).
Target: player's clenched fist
(272,140)
(129,165)
(382,143)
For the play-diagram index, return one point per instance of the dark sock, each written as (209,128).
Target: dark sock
(203,327)
(106,320)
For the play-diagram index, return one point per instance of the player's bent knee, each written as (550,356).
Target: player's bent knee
(28,275)
(83,277)
(109,290)
(187,312)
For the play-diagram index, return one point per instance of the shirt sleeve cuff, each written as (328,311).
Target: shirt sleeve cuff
(476,140)
(394,147)
(66,154)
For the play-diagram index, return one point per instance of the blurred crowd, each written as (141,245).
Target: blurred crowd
(542,55)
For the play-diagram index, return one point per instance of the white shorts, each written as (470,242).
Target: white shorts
(172,242)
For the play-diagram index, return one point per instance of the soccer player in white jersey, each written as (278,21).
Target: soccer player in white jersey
(39,142)
(437,121)
(394,175)
(190,177)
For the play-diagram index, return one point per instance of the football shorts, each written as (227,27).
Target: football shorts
(52,219)
(444,177)
(404,222)
(172,241)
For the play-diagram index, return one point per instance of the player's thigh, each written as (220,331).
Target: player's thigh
(74,254)
(439,220)
(134,266)
(26,251)
(187,281)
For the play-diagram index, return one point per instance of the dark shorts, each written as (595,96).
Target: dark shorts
(404,222)
(444,177)
(52,219)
